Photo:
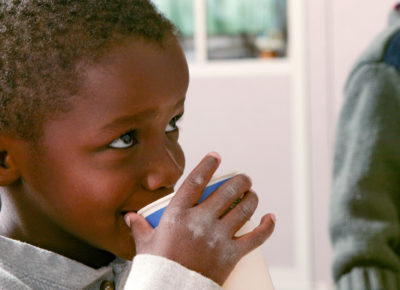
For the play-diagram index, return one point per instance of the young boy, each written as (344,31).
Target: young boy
(91,93)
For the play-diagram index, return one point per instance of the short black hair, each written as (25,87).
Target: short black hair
(42,41)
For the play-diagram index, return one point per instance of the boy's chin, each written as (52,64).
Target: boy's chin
(129,256)
(127,253)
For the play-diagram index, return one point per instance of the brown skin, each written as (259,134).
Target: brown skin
(203,235)
(71,194)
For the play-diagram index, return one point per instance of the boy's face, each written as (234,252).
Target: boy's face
(115,152)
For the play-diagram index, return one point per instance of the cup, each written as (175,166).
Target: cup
(251,272)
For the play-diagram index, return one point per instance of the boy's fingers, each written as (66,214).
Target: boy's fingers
(258,236)
(227,194)
(242,212)
(138,224)
(191,189)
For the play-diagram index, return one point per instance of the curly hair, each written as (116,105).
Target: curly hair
(42,42)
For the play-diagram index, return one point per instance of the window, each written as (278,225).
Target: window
(181,13)
(229,29)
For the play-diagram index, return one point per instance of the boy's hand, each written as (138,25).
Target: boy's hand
(201,236)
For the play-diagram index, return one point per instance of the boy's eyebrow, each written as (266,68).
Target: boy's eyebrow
(129,119)
(180,103)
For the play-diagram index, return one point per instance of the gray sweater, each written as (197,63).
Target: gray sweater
(26,267)
(365,198)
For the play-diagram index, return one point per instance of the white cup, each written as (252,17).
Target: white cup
(251,272)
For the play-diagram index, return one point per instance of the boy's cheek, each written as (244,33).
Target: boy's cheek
(112,159)
(180,157)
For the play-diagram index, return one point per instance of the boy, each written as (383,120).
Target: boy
(91,93)
(365,207)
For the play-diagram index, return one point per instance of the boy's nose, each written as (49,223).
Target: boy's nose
(163,169)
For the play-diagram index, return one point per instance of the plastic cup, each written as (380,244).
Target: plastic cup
(251,272)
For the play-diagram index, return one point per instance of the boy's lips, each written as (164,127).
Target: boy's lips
(160,194)
(124,212)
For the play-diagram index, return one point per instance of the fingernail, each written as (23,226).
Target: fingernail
(251,181)
(273,218)
(215,155)
(127,220)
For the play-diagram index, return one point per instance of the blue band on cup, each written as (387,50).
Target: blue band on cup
(155,217)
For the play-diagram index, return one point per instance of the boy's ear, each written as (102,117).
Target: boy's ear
(9,172)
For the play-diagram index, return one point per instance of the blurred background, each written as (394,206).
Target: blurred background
(265,91)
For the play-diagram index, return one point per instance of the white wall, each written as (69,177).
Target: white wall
(247,120)
(319,86)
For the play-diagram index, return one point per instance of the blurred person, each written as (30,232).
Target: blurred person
(365,198)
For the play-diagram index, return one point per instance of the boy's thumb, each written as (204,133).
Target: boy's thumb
(138,224)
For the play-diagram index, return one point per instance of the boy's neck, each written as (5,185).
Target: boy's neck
(70,247)
(89,256)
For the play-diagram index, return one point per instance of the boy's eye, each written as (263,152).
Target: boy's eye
(172,125)
(125,141)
